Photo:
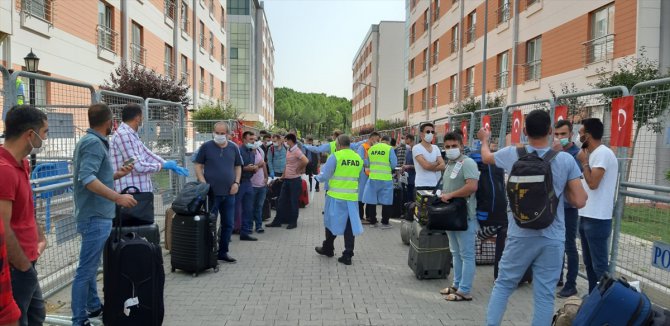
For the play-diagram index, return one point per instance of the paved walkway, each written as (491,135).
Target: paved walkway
(280,280)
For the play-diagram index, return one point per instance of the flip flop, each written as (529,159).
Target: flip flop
(448,290)
(457,297)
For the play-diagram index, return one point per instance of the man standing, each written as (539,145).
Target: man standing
(25,133)
(259,182)
(244,201)
(277,156)
(287,209)
(600,176)
(563,142)
(527,247)
(219,164)
(341,172)
(126,144)
(408,166)
(428,161)
(313,166)
(370,210)
(460,181)
(94,208)
(379,189)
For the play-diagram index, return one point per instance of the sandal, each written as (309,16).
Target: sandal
(457,297)
(448,290)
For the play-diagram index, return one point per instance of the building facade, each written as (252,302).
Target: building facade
(86,40)
(251,61)
(378,76)
(533,46)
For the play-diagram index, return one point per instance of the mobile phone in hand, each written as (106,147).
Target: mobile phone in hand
(129,161)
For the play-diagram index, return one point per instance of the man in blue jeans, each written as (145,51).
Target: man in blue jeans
(287,208)
(600,180)
(260,184)
(245,197)
(94,208)
(529,247)
(563,142)
(219,164)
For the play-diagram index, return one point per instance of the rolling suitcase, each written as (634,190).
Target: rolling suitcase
(194,246)
(303,200)
(134,280)
(149,232)
(405,230)
(169,215)
(429,255)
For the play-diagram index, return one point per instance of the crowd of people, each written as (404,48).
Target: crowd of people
(356,177)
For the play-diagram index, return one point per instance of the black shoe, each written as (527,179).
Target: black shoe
(260,230)
(236,231)
(345,260)
(560,283)
(97,313)
(246,237)
(227,259)
(320,251)
(291,226)
(317,189)
(273,225)
(567,292)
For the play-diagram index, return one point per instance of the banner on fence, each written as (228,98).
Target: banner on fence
(560,113)
(464,129)
(446,126)
(622,121)
(486,122)
(517,125)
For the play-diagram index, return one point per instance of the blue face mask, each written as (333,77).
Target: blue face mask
(565,141)
(250,146)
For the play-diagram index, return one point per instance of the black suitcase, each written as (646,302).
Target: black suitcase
(194,247)
(396,209)
(133,269)
(429,255)
(150,232)
(500,247)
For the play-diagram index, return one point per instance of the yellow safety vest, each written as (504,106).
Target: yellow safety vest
(344,183)
(380,164)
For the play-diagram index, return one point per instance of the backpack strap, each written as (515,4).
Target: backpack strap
(521,150)
(550,155)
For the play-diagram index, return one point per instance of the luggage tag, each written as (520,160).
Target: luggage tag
(457,168)
(129,303)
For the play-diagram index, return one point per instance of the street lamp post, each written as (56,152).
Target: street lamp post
(32,65)
(374,121)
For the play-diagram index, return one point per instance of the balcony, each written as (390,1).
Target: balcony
(169,69)
(138,54)
(470,34)
(532,70)
(412,37)
(436,57)
(599,49)
(469,90)
(502,80)
(453,95)
(202,87)
(106,39)
(433,103)
(503,13)
(185,77)
(453,46)
(170,8)
(40,9)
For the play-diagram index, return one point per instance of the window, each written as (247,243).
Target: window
(436,10)
(412,33)
(454,88)
(411,102)
(202,34)
(411,68)
(202,80)
(470,82)
(222,87)
(426,19)
(223,17)
(211,85)
(183,17)
(454,39)
(169,61)
(184,68)
(472,26)
(41,9)
(434,98)
(503,11)
(601,45)
(223,54)
(424,99)
(533,58)
(425,59)
(436,51)
(233,53)
(531,2)
(238,7)
(170,9)
(105,31)
(137,51)
(211,7)
(211,43)
(503,73)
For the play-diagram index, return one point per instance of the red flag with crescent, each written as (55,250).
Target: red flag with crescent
(517,121)
(560,113)
(622,121)
(486,122)
(464,129)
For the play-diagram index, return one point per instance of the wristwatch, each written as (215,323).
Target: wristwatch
(237,183)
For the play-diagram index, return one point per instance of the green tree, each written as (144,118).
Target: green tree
(311,113)
(208,114)
(471,104)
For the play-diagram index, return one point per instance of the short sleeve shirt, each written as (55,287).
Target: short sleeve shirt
(425,178)
(600,203)
(563,169)
(454,178)
(220,163)
(293,157)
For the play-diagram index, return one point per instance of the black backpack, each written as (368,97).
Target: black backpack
(491,197)
(530,189)
(191,199)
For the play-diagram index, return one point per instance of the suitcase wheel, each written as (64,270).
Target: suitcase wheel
(216,269)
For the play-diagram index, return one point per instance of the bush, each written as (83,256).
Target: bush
(140,81)
(209,114)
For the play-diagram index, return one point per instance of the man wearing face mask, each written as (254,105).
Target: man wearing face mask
(20,296)
(220,165)
(244,201)
(428,161)
(600,168)
(408,166)
(94,207)
(277,156)
(563,142)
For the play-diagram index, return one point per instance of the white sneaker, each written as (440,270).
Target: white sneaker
(386,226)
(374,226)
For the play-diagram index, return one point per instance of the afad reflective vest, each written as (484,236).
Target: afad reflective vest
(344,183)
(380,163)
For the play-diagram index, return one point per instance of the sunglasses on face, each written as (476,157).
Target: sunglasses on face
(429,131)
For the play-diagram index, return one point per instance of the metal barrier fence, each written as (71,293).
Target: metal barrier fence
(490,118)
(512,120)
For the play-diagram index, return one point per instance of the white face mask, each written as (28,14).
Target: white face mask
(428,137)
(37,150)
(453,153)
(220,139)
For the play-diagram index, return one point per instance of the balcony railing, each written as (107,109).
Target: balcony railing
(470,33)
(41,9)
(169,68)
(138,54)
(453,95)
(436,14)
(433,102)
(469,90)
(453,47)
(412,37)
(170,8)
(502,80)
(185,76)
(533,70)
(436,57)
(599,49)
(503,14)
(106,38)
(202,87)
(184,23)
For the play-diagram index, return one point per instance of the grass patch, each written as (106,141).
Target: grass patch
(161,180)
(647,222)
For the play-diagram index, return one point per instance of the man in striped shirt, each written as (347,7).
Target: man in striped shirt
(126,144)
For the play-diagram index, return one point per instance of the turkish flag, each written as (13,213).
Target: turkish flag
(464,129)
(560,113)
(446,127)
(622,121)
(517,121)
(486,122)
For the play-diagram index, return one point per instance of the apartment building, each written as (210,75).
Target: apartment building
(532,46)
(86,40)
(251,61)
(378,76)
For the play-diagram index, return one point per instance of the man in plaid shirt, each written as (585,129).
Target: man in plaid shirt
(126,144)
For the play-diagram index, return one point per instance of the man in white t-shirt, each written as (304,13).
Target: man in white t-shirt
(600,177)
(428,162)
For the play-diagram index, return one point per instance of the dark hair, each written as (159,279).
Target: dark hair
(538,124)
(98,114)
(563,123)
(21,118)
(263,132)
(309,137)
(343,140)
(130,112)
(410,137)
(374,134)
(266,136)
(247,133)
(278,136)
(386,138)
(459,132)
(337,133)
(454,136)
(292,138)
(594,127)
(426,124)
(393,142)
